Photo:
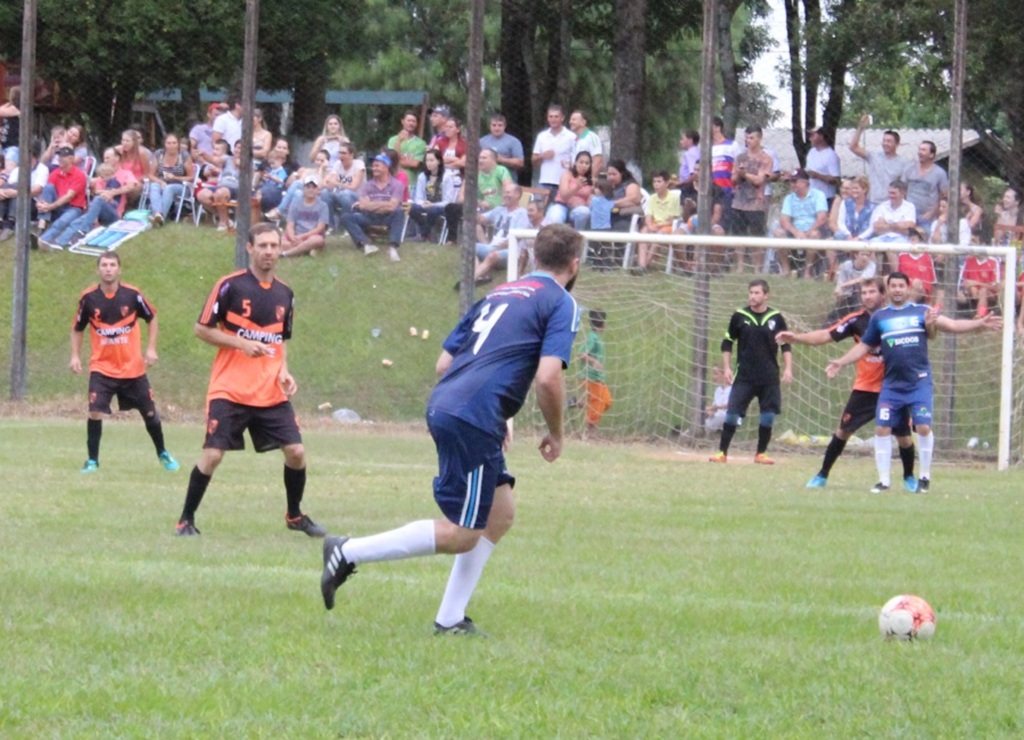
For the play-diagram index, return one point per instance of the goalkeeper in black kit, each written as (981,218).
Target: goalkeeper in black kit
(757,369)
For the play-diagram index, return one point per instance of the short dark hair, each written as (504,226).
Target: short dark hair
(753,129)
(717,121)
(877,281)
(660,173)
(897,275)
(556,246)
(500,117)
(109,256)
(759,283)
(899,185)
(893,134)
(597,318)
(931,146)
(412,113)
(263,227)
(693,136)
(557,108)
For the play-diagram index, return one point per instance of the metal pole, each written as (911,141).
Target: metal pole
(702,287)
(243,213)
(474,105)
(23,214)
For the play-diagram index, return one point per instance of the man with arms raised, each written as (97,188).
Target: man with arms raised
(248,318)
(860,408)
(883,167)
(901,331)
(521,333)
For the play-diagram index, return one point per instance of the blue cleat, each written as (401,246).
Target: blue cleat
(168,462)
(817,482)
(910,483)
(90,466)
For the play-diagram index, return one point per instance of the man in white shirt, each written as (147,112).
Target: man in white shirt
(823,165)
(586,141)
(893,220)
(552,151)
(228,125)
(9,191)
(884,166)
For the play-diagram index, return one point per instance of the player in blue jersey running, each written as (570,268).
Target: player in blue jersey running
(901,332)
(520,332)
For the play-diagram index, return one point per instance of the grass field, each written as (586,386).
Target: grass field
(642,593)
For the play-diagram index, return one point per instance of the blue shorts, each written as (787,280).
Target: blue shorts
(470,465)
(894,407)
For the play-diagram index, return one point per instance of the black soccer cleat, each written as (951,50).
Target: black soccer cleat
(922,485)
(303,523)
(463,627)
(336,569)
(186,528)
(879,488)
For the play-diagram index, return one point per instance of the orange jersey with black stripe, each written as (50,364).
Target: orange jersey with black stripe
(870,368)
(240,304)
(114,335)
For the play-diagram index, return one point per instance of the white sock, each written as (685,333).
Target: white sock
(883,458)
(411,541)
(462,582)
(925,448)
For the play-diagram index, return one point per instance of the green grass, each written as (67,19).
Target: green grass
(641,594)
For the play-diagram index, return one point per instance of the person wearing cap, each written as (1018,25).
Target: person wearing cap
(201,135)
(307,221)
(410,147)
(63,198)
(228,125)
(823,165)
(438,118)
(379,204)
(804,213)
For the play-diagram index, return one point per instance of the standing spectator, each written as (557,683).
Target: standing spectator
(453,150)
(689,142)
(435,189)
(380,203)
(552,151)
(823,165)
(331,139)
(662,212)
(927,184)
(410,147)
(439,116)
(201,135)
(750,175)
(586,141)
(228,125)
(170,171)
(804,213)
(307,221)
(111,310)
(9,191)
(723,157)
(884,166)
(10,126)
(508,148)
(63,198)
(498,351)
(757,373)
(248,318)
(1008,210)
(574,191)
(110,190)
(598,398)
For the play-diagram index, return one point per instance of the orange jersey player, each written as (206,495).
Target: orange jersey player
(117,366)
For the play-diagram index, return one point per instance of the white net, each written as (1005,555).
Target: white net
(661,386)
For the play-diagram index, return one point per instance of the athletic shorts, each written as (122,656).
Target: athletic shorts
(270,427)
(768,395)
(132,393)
(860,409)
(599,400)
(470,465)
(894,408)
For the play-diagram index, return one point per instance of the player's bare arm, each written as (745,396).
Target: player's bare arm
(813,338)
(549,383)
(991,322)
(727,367)
(217,338)
(787,366)
(856,352)
(284,377)
(76,351)
(151,357)
(444,361)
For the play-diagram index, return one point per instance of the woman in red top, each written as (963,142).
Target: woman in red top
(574,191)
(136,158)
(453,149)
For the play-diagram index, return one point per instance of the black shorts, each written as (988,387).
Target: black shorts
(768,395)
(132,393)
(270,427)
(749,223)
(860,410)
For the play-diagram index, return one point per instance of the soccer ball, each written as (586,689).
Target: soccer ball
(906,617)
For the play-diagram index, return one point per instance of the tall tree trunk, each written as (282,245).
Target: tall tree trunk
(628,90)
(728,68)
(812,56)
(796,77)
(518,83)
(309,110)
(564,61)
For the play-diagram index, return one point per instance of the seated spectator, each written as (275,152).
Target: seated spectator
(110,189)
(10,127)
(135,157)
(434,190)
(50,158)
(9,191)
(269,181)
(918,266)
(325,175)
(940,227)
(574,191)
(399,174)
(536,220)
(1008,210)
(979,286)
(307,221)
(63,198)
(74,137)
(804,215)
(848,280)
(341,189)
(509,215)
(379,204)
(850,217)
(170,171)
(601,204)
(211,174)
(660,216)
(893,220)
(627,193)
(973,209)
(201,135)
(715,412)
(491,179)
(223,194)
(331,139)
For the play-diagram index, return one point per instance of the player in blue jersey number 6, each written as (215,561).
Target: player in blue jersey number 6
(520,332)
(901,330)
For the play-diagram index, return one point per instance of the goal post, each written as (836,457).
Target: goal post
(649,340)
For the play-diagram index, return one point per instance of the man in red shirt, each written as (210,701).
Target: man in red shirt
(63,198)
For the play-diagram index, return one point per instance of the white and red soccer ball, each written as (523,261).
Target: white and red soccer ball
(906,617)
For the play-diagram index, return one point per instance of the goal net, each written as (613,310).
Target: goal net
(664,329)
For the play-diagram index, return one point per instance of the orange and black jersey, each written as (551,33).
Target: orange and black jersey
(870,368)
(115,341)
(240,304)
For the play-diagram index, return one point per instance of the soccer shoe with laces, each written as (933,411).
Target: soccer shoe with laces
(718,457)
(303,523)
(762,459)
(910,483)
(464,626)
(817,481)
(922,485)
(168,461)
(336,569)
(186,529)
(879,488)
(90,466)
